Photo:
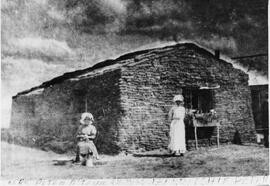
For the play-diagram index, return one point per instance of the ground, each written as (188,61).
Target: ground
(228,160)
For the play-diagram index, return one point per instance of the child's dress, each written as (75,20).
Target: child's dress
(87,146)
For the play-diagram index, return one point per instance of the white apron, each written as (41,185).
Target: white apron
(177,129)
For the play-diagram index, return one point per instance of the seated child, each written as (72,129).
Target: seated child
(85,135)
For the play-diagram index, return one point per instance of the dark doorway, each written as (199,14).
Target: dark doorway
(259,94)
(79,101)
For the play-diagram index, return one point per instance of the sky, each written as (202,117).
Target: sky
(41,39)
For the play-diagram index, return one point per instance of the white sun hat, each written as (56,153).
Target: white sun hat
(86,115)
(178,98)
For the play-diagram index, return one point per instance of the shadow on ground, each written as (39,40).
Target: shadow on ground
(155,155)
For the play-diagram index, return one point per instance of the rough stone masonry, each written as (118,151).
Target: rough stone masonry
(130,98)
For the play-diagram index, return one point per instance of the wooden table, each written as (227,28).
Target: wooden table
(213,123)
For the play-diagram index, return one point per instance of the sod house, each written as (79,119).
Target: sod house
(131,96)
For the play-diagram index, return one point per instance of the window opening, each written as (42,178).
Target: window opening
(198,99)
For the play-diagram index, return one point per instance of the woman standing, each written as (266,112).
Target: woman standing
(177,143)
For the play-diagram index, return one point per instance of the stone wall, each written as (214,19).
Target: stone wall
(233,102)
(52,116)
(148,87)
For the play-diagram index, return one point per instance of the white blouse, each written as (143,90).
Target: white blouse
(177,113)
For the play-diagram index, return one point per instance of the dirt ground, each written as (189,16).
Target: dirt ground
(228,160)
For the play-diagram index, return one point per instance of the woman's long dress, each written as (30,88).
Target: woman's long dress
(177,129)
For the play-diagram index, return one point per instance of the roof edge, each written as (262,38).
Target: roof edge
(255,55)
